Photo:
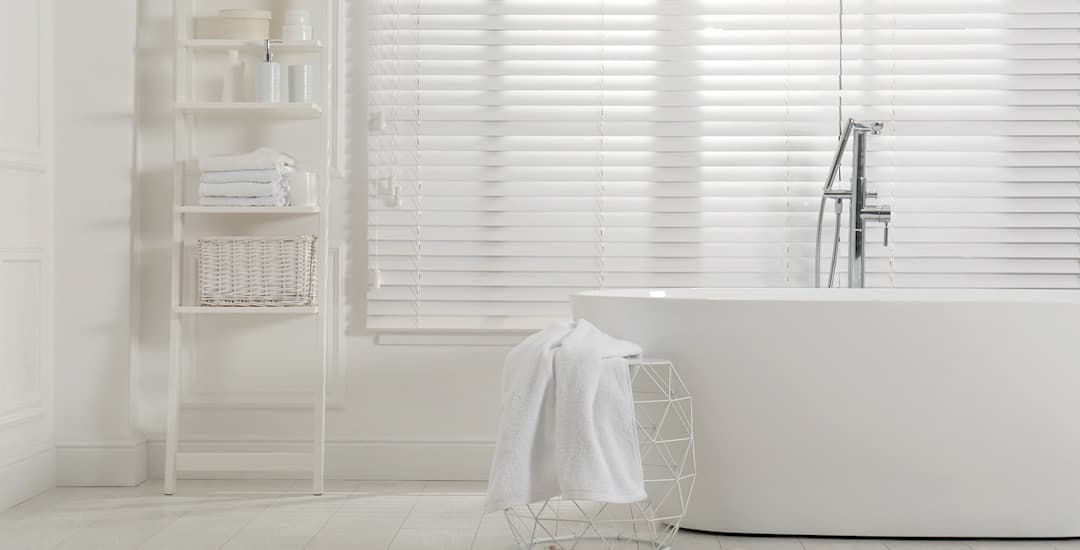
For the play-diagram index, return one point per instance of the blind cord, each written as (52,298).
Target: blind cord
(419,184)
(603,142)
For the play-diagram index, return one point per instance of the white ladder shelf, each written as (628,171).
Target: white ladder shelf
(186,109)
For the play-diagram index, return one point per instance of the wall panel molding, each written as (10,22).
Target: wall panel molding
(24,163)
(26,412)
(33,147)
(32,254)
(354,458)
(33,407)
(105,463)
(28,476)
(27,456)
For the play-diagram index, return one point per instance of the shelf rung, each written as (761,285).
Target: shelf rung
(247,310)
(271,210)
(283,109)
(298,46)
(235,462)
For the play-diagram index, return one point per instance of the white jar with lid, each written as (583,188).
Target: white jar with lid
(236,24)
(297,26)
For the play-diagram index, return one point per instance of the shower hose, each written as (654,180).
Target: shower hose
(836,242)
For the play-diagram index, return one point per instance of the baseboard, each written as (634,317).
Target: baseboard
(27,477)
(451,460)
(101,463)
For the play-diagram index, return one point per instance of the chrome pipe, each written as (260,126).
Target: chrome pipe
(856,224)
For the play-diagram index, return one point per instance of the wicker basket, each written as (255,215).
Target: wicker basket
(258,272)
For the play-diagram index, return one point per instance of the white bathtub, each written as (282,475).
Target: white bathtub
(882,413)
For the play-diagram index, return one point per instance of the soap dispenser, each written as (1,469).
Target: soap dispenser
(268,79)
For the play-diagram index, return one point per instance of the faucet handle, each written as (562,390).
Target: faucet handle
(879,213)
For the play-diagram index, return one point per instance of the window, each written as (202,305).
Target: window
(523,150)
(981,160)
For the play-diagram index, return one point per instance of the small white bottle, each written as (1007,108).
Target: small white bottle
(232,85)
(268,79)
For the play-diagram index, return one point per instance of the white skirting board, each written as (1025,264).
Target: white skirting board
(101,463)
(27,477)
(449,460)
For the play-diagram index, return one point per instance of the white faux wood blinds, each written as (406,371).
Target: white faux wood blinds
(542,147)
(981,160)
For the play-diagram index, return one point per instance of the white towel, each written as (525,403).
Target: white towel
(567,426)
(243,201)
(272,175)
(243,189)
(259,159)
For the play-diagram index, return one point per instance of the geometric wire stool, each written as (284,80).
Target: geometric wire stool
(665,426)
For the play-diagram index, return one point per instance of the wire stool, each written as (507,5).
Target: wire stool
(662,411)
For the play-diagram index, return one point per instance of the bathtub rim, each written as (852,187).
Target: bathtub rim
(705,294)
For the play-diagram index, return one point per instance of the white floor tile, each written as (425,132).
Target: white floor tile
(434,539)
(842,544)
(109,535)
(927,545)
(39,538)
(193,533)
(1010,545)
(760,543)
(367,515)
(475,488)
(688,540)
(366,540)
(493,534)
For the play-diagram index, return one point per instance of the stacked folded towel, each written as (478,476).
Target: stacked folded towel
(258,178)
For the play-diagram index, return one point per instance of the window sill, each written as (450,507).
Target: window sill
(481,338)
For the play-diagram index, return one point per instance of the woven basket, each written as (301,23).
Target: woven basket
(258,272)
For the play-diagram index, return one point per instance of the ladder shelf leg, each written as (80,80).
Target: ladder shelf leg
(172,427)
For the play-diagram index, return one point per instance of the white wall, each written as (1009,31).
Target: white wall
(421,412)
(95,118)
(26,170)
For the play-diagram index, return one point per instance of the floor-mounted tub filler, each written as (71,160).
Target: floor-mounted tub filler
(871,412)
(860,211)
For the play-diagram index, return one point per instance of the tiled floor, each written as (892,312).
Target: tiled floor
(269,515)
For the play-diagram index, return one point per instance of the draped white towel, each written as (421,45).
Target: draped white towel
(259,159)
(567,427)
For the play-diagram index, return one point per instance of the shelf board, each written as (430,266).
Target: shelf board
(298,46)
(247,310)
(297,110)
(271,210)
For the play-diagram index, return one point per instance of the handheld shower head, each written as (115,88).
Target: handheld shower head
(839,154)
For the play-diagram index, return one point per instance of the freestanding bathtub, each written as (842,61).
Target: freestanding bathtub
(883,413)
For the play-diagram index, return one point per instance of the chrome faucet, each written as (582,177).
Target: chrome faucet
(860,212)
